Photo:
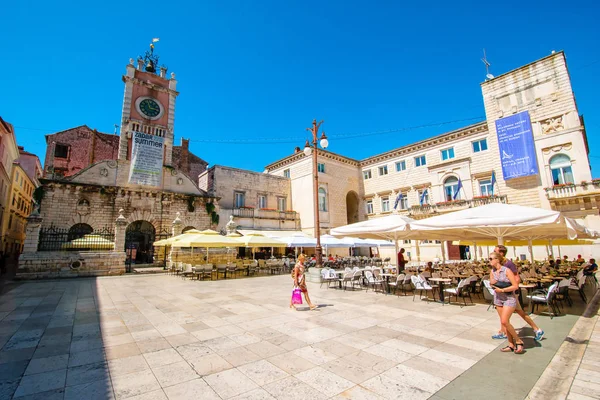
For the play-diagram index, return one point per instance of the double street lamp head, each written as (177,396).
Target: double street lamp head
(323,142)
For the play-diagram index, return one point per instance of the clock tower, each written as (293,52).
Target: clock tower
(148,104)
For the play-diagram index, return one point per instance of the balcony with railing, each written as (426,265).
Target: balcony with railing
(262,218)
(427,210)
(264,213)
(573,190)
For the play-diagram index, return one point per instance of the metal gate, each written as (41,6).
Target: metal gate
(139,239)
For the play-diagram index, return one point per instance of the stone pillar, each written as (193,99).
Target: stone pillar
(32,232)
(176,227)
(120,226)
(231,226)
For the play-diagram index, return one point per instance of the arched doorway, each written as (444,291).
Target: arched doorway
(139,238)
(352,207)
(187,228)
(78,231)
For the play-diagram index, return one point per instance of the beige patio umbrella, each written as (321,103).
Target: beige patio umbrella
(255,240)
(173,239)
(89,242)
(206,239)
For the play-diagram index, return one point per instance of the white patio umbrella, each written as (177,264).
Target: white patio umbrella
(502,222)
(391,227)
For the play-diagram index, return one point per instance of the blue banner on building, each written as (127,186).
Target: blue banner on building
(517,149)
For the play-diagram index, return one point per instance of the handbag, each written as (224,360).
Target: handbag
(502,284)
(296,296)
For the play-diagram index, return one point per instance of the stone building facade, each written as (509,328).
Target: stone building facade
(20,206)
(256,201)
(88,187)
(9,152)
(427,173)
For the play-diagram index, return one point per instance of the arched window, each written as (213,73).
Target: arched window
(451,188)
(322,200)
(560,167)
(187,228)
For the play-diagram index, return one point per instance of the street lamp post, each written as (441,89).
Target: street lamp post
(314,150)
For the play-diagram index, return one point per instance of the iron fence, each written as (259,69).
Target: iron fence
(80,237)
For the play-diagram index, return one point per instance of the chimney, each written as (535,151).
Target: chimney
(163,72)
(184,162)
(140,64)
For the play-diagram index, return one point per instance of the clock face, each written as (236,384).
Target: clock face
(150,108)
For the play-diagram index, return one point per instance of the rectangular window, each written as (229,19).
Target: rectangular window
(400,166)
(479,145)
(239,199)
(61,151)
(448,153)
(385,204)
(262,201)
(383,170)
(321,167)
(17,177)
(404,202)
(485,187)
(369,207)
(286,173)
(367,174)
(420,161)
(281,204)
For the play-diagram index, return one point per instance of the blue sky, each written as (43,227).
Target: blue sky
(260,70)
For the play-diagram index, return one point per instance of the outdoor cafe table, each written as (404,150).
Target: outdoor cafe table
(524,286)
(441,281)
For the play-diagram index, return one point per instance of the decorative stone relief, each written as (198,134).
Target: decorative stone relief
(83,207)
(180,181)
(104,172)
(552,125)
(556,149)
(112,164)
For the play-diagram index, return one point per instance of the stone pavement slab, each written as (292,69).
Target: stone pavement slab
(163,337)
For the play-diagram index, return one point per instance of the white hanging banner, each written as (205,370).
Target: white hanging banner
(146,159)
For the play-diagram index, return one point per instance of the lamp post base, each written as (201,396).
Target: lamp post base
(314,274)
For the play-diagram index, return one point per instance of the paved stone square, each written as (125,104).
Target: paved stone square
(163,337)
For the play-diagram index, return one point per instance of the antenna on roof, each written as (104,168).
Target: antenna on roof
(487,66)
(116,127)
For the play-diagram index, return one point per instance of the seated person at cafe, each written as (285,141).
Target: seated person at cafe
(558,261)
(551,262)
(580,260)
(331,258)
(591,268)
(429,267)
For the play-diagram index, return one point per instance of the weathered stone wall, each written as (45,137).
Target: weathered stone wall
(87,147)
(62,207)
(70,264)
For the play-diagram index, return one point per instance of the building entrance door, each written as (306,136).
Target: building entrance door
(139,239)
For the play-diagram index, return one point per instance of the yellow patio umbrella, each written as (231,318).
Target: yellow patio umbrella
(173,239)
(206,238)
(90,242)
(255,240)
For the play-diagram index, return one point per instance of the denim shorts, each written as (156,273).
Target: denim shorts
(505,299)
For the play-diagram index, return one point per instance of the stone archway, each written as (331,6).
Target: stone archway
(352,203)
(187,228)
(139,240)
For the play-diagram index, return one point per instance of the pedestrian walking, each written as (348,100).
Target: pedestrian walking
(298,274)
(505,284)
(539,333)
